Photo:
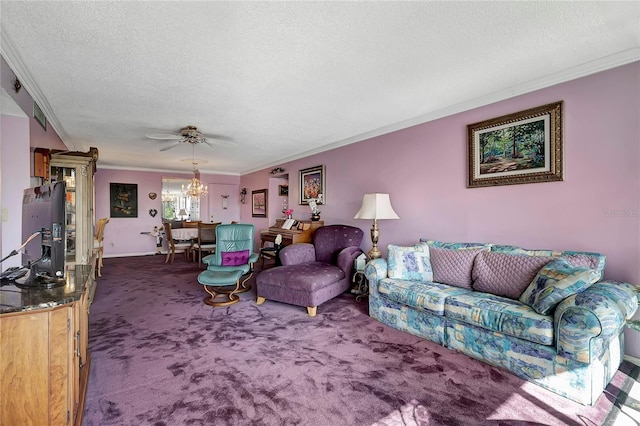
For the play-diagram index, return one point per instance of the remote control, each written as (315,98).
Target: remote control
(9,271)
(17,274)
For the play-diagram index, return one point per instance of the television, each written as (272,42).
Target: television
(43,212)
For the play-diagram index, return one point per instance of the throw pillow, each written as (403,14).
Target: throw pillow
(505,274)
(235,258)
(453,266)
(409,263)
(453,246)
(555,282)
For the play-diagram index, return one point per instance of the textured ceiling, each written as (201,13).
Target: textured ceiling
(287,79)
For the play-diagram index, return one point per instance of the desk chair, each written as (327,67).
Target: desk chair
(174,246)
(98,242)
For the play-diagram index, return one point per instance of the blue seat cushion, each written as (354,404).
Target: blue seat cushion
(423,295)
(219,278)
(501,314)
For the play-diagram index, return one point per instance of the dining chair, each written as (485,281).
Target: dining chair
(98,242)
(174,246)
(206,242)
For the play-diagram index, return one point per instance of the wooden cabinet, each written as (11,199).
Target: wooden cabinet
(77,170)
(44,360)
(41,159)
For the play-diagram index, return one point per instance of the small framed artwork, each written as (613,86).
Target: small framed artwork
(259,203)
(123,200)
(39,116)
(312,185)
(524,147)
(283,190)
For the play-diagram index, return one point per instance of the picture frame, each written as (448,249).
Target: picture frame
(259,203)
(123,200)
(283,190)
(39,116)
(523,147)
(312,185)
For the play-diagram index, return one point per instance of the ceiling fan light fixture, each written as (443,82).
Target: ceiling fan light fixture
(195,189)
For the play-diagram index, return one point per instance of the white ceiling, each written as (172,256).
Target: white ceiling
(287,79)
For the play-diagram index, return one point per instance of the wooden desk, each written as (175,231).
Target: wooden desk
(302,234)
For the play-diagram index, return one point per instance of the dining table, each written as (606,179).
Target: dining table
(184,234)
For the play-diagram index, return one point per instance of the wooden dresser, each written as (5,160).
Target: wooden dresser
(44,361)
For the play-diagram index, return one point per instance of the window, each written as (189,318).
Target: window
(174,201)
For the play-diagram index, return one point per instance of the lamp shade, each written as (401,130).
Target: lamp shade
(182,212)
(376,206)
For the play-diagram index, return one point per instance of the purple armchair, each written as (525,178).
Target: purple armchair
(311,274)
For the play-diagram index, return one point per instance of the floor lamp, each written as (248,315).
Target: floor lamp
(375,206)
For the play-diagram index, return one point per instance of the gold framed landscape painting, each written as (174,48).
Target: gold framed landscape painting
(524,147)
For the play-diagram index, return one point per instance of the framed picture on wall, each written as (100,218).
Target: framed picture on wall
(123,199)
(524,147)
(259,203)
(283,190)
(39,116)
(312,185)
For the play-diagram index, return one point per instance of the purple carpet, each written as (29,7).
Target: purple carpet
(160,356)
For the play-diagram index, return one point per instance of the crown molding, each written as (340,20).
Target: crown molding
(583,70)
(17,65)
(143,169)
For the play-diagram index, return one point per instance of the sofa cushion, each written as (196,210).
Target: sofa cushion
(409,263)
(453,246)
(428,296)
(501,314)
(575,258)
(554,282)
(505,274)
(453,267)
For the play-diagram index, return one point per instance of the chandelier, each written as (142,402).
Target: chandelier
(169,197)
(195,189)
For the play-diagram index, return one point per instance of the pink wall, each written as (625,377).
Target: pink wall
(39,137)
(14,160)
(424,168)
(123,235)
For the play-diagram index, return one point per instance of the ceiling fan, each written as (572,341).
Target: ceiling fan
(191,135)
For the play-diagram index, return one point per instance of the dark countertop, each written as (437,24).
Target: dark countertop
(14,298)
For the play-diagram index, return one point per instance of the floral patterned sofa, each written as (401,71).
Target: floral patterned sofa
(541,314)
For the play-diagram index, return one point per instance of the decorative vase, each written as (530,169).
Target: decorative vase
(315,216)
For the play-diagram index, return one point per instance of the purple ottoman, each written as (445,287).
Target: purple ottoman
(312,273)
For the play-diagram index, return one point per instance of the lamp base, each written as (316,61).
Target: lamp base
(374,253)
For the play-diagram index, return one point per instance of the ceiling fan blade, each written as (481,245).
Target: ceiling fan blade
(219,140)
(164,136)
(168,147)
(207,143)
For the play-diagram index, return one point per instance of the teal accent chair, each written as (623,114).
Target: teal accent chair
(231,266)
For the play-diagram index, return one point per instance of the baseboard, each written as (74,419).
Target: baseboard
(150,253)
(632,359)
